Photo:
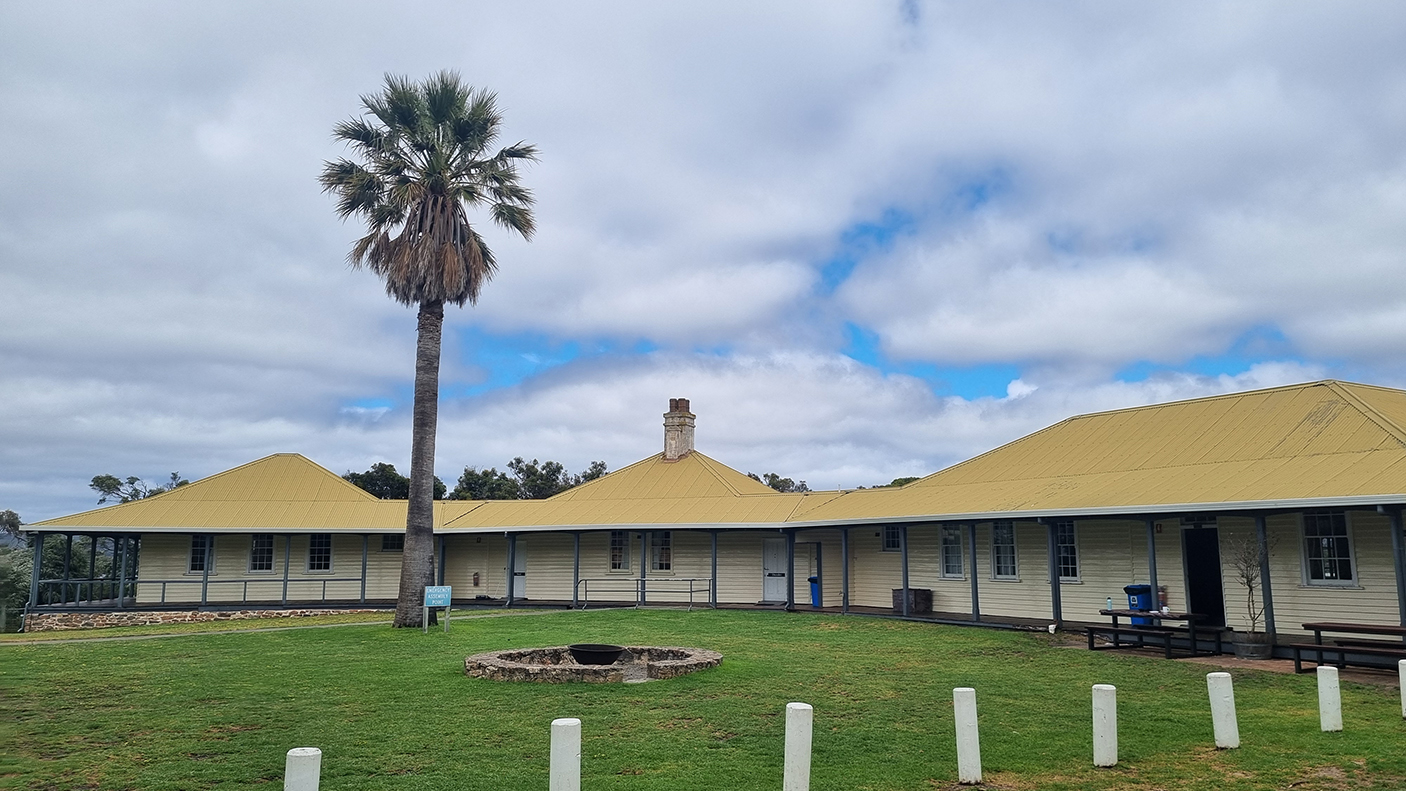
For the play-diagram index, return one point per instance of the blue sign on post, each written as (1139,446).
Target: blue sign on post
(436,596)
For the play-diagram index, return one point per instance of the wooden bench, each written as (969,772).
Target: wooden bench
(1115,633)
(1342,648)
(1342,652)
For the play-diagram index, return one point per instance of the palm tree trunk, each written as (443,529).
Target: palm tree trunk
(417,561)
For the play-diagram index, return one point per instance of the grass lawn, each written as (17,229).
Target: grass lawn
(393,710)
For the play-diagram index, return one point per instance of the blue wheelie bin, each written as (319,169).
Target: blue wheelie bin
(1139,598)
(814,591)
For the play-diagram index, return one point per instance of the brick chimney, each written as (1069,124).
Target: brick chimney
(678,430)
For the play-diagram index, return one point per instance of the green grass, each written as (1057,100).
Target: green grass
(392,710)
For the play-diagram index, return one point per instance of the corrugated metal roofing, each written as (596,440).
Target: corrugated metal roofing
(1318,441)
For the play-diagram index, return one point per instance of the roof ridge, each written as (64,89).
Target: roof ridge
(580,486)
(1369,411)
(708,463)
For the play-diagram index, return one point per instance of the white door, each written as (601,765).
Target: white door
(774,569)
(520,570)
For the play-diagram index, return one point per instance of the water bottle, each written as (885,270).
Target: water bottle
(1110,602)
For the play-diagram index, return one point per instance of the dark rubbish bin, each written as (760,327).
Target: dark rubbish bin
(814,591)
(1139,598)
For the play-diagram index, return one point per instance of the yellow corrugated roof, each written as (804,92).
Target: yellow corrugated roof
(1319,440)
(1309,442)
(285,490)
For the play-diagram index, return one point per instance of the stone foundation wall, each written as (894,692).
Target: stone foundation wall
(64,621)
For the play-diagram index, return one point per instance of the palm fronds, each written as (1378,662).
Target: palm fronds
(420,162)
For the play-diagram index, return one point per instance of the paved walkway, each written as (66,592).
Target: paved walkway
(160,635)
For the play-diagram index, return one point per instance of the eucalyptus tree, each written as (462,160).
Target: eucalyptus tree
(421,162)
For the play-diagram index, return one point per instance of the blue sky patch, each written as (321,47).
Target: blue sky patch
(973,381)
(1258,344)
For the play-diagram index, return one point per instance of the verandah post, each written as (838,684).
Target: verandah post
(976,593)
(790,570)
(575,567)
(205,569)
(1262,537)
(1152,559)
(713,583)
(1056,607)
(1398,554)
(512,567)
(92,566)
(844,571)
(365,548)
(903,552)
(67,564)
(36,572)
(287,555)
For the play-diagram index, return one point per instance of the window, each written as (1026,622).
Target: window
(619,550)
(1003,550)
(662,551)
(201,549)
(261,553)
(1327,548)
(393,542)
(893,538)
(320,552)
(952,552)
(1067,546)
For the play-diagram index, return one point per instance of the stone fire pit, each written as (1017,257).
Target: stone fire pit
(555,665)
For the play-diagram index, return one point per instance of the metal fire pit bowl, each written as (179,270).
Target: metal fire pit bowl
(595,653)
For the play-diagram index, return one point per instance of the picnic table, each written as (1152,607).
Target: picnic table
(1341,648)
(1155,628)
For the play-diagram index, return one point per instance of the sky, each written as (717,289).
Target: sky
(867,240)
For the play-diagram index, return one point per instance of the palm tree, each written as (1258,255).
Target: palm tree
(422,163)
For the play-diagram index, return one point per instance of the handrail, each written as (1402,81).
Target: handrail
(639,587)
(244,581)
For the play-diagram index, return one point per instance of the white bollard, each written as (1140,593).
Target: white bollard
(1105,725)
(303,769)
(1330,699)
(565,773)
(796,775)
(1223,721)
(1401,682)
(968,739)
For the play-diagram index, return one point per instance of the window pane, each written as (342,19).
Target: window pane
(320,553)
(663,551)
(951,552)
(198,552)
(393,542)
(893,540)
(1003,550)
(619,550)
(261,553)
(1068,549)
(1327,549)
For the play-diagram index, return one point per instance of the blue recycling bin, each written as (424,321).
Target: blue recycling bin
(814,591)
(1139,598)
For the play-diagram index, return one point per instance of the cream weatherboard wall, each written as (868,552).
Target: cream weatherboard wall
(165,562)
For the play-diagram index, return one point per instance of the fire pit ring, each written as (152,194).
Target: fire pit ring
(557,665)
(595,653)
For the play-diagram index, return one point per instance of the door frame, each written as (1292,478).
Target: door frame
(1195,523)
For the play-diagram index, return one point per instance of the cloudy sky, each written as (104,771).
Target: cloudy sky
(866,239)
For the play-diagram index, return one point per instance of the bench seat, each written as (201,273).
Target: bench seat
(1342,652)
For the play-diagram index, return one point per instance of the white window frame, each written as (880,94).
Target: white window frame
(331,554)
(1014,576)
(655,546)
(1308,580)
(896,531)
(942,546)
(624,535)
(273,553)
(385,536)
(1059,565)
(209,555)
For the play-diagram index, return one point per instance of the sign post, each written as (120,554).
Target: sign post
(436,596)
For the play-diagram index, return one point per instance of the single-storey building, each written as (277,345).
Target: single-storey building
(1046,529)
